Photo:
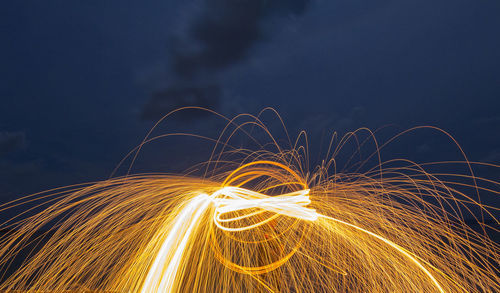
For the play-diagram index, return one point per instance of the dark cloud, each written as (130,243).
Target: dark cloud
(181,96)
(224,32)
(219,36)
(223,35)
(11,141)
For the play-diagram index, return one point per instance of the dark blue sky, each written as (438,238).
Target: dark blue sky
(82,81)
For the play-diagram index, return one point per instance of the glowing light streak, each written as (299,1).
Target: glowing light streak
(400,249)
(228,200)
(261,222)
(237,199)
(161,276)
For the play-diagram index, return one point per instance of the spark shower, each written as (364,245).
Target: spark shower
(261,219)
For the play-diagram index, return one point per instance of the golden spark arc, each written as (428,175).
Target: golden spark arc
(261,223)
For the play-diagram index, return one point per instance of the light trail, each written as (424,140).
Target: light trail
(162,274)
(400,249)
(236,199)
(259,221)
(146,241)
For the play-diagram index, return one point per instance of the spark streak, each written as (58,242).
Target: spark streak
(161,279)
(162,274)
(260,222)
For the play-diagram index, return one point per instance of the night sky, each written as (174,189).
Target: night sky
(81,82)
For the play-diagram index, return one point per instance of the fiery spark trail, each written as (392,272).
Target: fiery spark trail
(260,222)
(162,274)
(161,279)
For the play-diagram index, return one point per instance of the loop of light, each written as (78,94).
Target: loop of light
(162,275)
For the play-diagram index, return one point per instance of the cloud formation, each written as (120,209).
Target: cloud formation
(220,35)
